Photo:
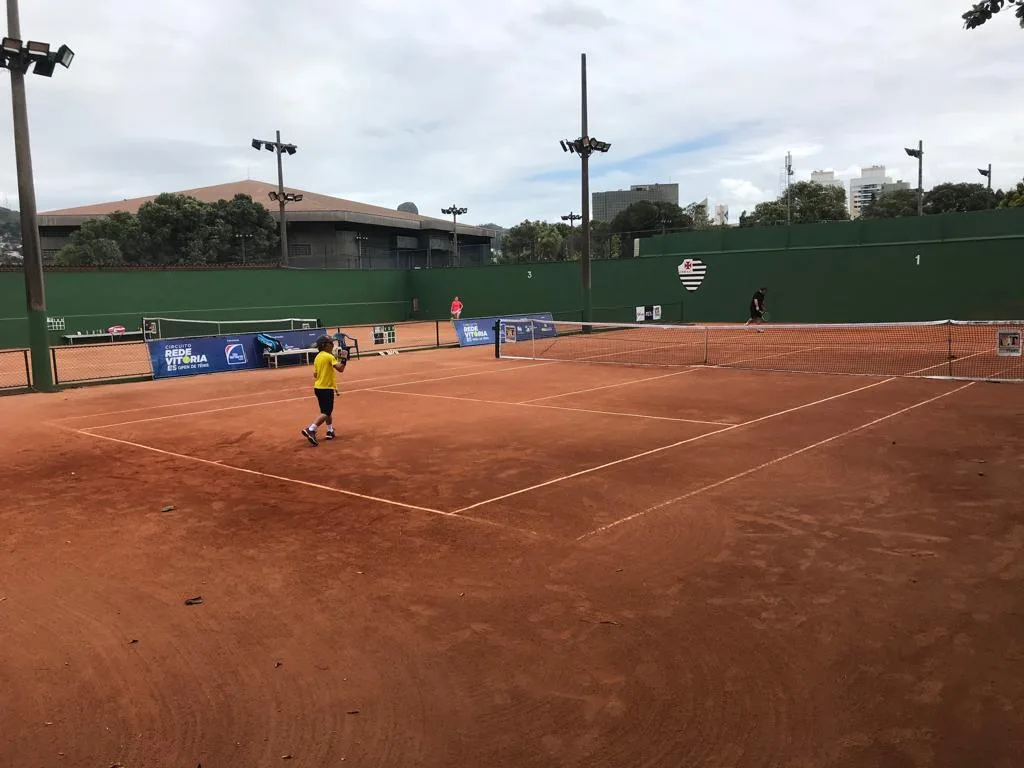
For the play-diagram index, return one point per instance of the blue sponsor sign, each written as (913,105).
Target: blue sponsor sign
(217,354)
(480,330)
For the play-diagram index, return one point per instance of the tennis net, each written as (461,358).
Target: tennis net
(180,328)
(948,349)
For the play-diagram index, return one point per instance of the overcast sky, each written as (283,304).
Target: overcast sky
(464,102)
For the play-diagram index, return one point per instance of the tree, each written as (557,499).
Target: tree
(175,230)
(651,217)
(891,205)
(698,213)
(807,201)
(957,198)
(985,10)
(533,241)
(1014,198)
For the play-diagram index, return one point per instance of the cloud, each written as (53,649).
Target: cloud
(464,102)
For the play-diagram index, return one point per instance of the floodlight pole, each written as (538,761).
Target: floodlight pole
(280,198)
(588,308)
(455,211)
(920,177)
(35,294)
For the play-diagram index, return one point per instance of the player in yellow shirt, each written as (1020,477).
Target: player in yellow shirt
(325,364)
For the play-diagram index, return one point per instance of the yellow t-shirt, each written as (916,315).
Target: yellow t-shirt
(323,371)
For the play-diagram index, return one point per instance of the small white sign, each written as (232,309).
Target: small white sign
(1008,343)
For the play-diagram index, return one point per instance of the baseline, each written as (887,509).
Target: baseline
(766,464)
(308,484)
(291,388)
(304,397)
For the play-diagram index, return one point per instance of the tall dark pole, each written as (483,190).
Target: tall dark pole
(281,201)
(920,177)
(989,174)
(39,343)
(588,309)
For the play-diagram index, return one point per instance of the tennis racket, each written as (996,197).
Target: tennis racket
(766,316)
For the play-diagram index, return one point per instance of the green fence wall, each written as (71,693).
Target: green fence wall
(967,266)
(97,300)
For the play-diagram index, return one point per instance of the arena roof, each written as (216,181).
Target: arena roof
(312,207)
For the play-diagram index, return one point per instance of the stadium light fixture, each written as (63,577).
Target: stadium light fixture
(455,211)
(584,147)
(17,57)
(280,196)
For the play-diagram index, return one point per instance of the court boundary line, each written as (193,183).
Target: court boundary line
(489,370)
(554,407)
(292,388)
(769,463)
(281,478)
(670,446)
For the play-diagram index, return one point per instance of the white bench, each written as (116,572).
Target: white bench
(308,353)
(273,357)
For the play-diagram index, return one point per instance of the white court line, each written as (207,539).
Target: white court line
(292,388)
(767,464)
(551,407)
(220,463)
(490,370)
(677,444)
(607,386)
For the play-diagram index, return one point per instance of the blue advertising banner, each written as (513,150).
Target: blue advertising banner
(480,330)
(217,354)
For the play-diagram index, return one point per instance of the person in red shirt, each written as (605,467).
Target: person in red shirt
(456,308)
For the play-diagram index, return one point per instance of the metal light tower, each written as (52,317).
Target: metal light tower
(455,211)
(789,201)
(277,148)
(17,58)
(919,154)
(585,146)
(572,218)
(988,174)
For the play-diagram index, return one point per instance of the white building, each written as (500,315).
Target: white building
(827,178)
(871,182)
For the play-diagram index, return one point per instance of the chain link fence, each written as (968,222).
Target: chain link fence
(74,364)
(15,371)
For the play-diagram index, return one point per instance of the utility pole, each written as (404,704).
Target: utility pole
(17,58)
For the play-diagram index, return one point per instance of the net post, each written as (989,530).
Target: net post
(53,360)
(28,368)
(707,332)
(497,338)
(437,333)
(949,347)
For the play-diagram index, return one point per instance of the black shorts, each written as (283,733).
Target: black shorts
(326,399)
(755,313)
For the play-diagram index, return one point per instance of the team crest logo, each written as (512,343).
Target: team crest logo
(691,273)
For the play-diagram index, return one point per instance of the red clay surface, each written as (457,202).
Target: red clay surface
(516,564)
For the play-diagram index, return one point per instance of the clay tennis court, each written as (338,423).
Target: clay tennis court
(521,563)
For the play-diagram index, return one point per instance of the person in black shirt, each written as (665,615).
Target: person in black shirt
(757,306)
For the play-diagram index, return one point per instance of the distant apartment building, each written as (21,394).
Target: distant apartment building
(828,179)
(871,183)
(607,205)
